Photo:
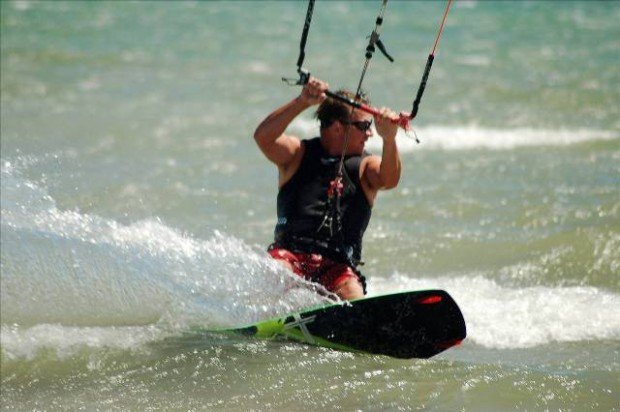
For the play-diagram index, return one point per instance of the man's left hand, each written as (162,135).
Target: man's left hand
(386,123)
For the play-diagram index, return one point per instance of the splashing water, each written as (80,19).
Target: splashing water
(70,278)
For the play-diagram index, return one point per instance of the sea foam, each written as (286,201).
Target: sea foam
(505,317)
(87,280)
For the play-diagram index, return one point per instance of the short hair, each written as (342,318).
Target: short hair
(331,109)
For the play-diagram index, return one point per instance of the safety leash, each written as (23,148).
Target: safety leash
(336,187)
(370,49)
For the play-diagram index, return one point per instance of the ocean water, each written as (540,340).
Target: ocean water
(136,207)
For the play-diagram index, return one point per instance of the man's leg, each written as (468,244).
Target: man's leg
(349,289)
(344,282)
(287,258)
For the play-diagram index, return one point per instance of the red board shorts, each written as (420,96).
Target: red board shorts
(316,268)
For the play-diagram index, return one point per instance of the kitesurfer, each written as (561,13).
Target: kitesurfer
(327,185)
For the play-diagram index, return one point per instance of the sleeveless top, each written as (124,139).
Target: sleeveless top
(302,205)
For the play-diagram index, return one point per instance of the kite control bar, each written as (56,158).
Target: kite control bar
(402,121)
(304,75)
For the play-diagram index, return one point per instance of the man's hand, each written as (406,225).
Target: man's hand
(386,124)
(314,92)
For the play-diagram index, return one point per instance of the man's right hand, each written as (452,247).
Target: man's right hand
(314,92)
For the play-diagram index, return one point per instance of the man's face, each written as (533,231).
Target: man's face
(359,131)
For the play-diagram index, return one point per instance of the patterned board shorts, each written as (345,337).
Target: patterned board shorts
(318,269)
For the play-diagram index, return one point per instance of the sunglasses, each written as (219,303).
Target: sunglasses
(362,126)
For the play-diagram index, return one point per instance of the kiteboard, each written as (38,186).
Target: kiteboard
(416,324)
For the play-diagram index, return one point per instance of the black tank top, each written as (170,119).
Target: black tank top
(302,204)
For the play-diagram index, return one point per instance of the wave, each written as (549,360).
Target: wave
(89,280)
(71,280)
(66,341)
(503,317)
(497,317)
(473,137)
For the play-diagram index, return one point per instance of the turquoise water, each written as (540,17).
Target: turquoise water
(136,206)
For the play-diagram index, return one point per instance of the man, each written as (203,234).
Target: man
(324,206)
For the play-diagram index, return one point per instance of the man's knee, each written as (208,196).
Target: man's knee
(349,289)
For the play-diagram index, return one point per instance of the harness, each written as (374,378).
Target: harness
(303,203)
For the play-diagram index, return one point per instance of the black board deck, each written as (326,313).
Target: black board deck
(417,324)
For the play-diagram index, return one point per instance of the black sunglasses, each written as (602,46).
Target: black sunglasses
(362,126)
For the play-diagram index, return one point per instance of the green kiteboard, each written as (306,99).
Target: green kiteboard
(416,324)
